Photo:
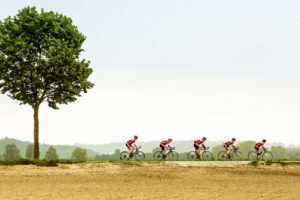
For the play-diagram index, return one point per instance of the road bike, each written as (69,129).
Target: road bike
(169,155)
(204,155)
(234,155)
(264,155)
(137,155)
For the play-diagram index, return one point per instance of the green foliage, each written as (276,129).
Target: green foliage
(29,162)
(217,149)
(65,161)
(11,152)
(278,152)
(39,61)
(51,154)
(254,163)
(293,153)
(44,162)
(283,164)
(79,154)
(269,162)
(39,58)
(246,147)
(156,149)
(63,151)
(29,151)
(115,156)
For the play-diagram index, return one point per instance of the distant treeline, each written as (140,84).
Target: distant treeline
(63,151)
(23,149)
(13,153)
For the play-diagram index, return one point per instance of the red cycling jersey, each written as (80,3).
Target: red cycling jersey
(164,143)
(259,144)
(198,142)
(228,143)
(130,142)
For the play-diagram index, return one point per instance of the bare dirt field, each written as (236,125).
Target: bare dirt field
(176,180)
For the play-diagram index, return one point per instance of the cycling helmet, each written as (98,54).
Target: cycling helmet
(264,140)
(170,139)
(136,136)
(234,139)
(204,138)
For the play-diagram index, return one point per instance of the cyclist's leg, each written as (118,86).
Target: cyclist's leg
(166,149)
(130,149)
(200,149)
(260,150)
(226,149)
(229,151)
(257,150)
(197,149)
(163,149)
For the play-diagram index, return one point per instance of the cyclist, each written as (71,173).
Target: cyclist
(260,145)
(197,145)
(129,144)
(227,147)
(163,145)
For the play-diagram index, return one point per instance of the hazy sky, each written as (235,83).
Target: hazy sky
(181,69)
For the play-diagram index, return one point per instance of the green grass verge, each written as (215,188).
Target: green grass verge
(254,163)
(46,163)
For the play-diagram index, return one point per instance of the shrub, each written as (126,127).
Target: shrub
(254,163)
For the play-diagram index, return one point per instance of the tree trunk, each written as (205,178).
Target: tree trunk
(36,132)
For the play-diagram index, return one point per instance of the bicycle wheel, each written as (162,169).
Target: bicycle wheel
(222,155)
(139,156)
(207,155)
(267,156)
(237,155)
(172,156)
(252,156)
(123,156)
(192,156)
(158,156)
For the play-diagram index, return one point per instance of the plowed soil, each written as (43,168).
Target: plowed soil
(177,180)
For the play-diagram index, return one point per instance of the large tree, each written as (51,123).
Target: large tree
(39,61)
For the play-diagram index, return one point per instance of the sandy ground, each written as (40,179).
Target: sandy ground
(175,180)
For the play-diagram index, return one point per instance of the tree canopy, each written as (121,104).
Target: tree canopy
(51,154)
(40,61)
(11,152)
(39,58)
(29,151)
(79,154)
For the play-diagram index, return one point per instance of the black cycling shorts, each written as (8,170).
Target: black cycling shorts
(226,146)
(128,146)
(162,147)
(196,147)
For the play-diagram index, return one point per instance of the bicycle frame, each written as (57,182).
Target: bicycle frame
(170,150)
(135,151)
(233,151)
(203,150)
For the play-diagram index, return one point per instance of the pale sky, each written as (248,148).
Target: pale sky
(181,69)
